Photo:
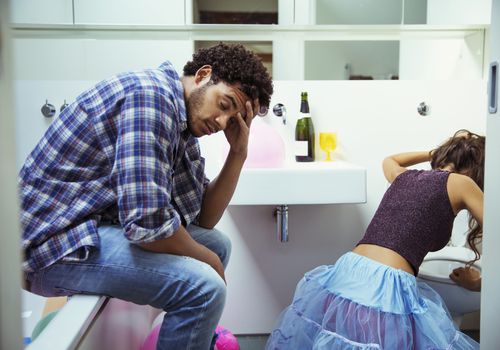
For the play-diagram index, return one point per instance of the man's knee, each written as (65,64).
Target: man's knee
(216,292)
(199,288)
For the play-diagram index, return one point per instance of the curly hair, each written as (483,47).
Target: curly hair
(465,152)
(234,64)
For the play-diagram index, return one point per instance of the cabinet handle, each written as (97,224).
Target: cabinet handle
(492,88)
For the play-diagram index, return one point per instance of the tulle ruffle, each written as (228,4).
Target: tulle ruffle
(361,304)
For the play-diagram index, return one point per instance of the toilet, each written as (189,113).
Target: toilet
(435,271)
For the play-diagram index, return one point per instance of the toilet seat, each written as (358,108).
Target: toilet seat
(437,266)
(435,271)
(439,270)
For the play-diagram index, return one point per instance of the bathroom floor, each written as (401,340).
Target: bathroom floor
(474,334)
(257,342)
(252,342)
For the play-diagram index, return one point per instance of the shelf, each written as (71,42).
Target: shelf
(253,32)
(70,325)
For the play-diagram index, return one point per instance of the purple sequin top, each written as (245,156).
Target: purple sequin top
(414,217)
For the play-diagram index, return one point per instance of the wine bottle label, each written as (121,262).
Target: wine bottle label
(300,148)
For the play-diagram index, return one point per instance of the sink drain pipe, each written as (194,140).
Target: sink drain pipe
(282,221)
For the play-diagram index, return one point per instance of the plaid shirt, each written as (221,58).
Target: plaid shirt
(122,150)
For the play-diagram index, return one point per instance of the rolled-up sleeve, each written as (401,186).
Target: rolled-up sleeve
(145,148)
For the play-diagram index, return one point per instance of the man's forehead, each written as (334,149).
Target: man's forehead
(241,97)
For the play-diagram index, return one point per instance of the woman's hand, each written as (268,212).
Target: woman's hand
(237,131)
(467,278)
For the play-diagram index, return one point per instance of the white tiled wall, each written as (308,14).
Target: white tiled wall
(57,69)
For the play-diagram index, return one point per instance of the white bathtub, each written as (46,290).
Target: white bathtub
(92,322)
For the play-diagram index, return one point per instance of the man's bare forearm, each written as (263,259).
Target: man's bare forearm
(181,243)
(220,191)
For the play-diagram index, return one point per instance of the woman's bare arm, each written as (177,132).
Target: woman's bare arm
(397,163)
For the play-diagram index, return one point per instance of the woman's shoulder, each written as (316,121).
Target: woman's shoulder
(460,189)
(460,180)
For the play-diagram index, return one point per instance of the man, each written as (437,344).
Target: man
(114,197)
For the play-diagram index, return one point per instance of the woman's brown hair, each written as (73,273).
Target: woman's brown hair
(464,152)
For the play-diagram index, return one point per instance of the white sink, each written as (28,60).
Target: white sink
(302,183)
(270,176)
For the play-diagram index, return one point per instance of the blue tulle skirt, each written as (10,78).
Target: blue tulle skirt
(359,303)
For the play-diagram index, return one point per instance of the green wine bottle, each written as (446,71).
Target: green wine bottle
(304,133)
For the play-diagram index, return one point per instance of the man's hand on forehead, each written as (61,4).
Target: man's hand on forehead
(243,99)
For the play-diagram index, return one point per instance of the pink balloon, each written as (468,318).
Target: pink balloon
(266,148)
(151,339)
(225,339)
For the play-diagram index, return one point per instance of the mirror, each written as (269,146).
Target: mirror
(351,60)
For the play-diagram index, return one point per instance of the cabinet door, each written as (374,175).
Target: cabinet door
(144,12)
(42,12)
(490,306)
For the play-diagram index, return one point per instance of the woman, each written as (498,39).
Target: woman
(370,298)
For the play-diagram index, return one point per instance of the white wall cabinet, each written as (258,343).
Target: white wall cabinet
(42,12)
(125,12)
(458,11)
(490,306)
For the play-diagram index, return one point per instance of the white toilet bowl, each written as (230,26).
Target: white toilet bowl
(435,271)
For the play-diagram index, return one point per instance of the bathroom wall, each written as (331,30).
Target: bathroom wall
(56,77)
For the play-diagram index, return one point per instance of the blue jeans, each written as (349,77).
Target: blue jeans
(190,291)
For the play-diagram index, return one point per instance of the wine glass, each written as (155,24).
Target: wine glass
(328,142)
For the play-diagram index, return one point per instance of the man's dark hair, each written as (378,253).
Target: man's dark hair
(235,64)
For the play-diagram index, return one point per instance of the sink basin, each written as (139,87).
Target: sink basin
(268,177)
(302,183)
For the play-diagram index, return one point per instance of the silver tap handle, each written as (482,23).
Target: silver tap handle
(423,109)
(63,106)
(279,110)
(48,110)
